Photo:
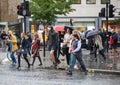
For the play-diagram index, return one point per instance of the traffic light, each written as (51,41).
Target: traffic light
(20,9)
(102,13)
(111,10)
(23,9)
(27,8)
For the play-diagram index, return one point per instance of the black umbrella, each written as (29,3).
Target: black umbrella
(68,27)
(92,33)
(86,32)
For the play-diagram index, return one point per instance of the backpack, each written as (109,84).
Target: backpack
(111,42)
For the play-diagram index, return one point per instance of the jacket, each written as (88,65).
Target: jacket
(13,41)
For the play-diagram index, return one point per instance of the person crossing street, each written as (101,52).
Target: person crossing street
(76,54)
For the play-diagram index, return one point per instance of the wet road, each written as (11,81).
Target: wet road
(11,76)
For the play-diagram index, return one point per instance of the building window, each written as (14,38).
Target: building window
(105,1)
(91,1)
(76,1)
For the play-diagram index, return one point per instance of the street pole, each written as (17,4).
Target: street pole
(24,17)
(107,25)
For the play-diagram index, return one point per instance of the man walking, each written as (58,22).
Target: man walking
(52,46)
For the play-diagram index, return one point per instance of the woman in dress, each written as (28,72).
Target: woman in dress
(35,49)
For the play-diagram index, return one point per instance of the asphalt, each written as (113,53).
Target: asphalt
(109,66)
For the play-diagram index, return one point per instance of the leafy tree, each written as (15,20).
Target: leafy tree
(47,10)
(117,22)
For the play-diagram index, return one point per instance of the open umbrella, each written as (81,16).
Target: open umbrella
(58,29)
(86,32)
(92,33)
(68,27)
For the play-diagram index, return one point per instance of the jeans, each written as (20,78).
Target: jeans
(77,56)
(13,57)
(28,51)
(3,45)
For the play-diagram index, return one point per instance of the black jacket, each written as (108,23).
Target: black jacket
(23,43)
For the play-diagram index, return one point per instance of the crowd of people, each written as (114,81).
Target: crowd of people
(61,43)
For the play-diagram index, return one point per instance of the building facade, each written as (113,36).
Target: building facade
(86,13)
(8,10)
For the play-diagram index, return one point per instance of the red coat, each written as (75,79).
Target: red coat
(35,49)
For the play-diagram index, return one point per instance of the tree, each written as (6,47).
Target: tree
(47,10)
(116,22)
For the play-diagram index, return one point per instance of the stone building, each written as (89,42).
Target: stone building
(8,10)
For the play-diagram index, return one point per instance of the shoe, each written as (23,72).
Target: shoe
(13,64)
(18,67)
(69,72)
(58,62)
(86,72)
(29,66)
(40,64)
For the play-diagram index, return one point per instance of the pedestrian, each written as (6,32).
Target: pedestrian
(65,48)
(12,46)
(98,45)
(29,40)
(102,33)
(61,37)
(113,44)
(52,46)
(3,36)
(23,50)
(76,54)
(35,49)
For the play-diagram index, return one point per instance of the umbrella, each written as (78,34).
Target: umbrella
(86,32)
(58,29)
(68,27)
(92,33)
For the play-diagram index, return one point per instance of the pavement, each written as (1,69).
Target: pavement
(110,66)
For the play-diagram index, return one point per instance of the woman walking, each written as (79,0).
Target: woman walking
(35,49)
(98,45)
(22,50)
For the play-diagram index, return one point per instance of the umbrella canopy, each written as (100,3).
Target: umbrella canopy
(92,33)
(68,27)
(58,29)
(86,32)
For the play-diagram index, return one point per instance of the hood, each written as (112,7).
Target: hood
(10,32)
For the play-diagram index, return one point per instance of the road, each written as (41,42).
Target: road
(11,76)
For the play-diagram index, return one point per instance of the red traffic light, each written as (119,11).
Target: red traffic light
(19,7)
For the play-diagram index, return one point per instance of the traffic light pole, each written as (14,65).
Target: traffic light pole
(107,25)
(24,18)
(24,24)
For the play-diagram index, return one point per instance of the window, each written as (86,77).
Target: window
(76,1)
(91,1)
(105,1)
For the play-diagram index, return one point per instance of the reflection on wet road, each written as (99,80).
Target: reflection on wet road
(11,76)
